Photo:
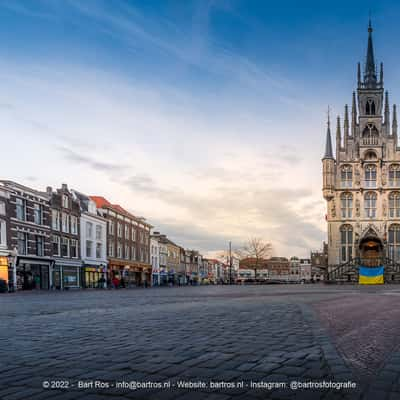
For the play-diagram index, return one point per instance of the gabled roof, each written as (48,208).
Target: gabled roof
(101,202)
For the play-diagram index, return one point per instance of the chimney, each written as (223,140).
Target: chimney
(64,187)
(49,190)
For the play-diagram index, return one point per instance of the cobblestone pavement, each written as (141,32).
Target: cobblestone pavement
(211,337)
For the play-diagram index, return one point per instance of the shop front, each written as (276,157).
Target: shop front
(194,278)
(66,274)
(94,277)
(33,273)
(4,273)
(118,273)
(163,276)
(129,276)
(155,277)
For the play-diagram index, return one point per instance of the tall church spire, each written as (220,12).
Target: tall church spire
(328,145)
(370,71)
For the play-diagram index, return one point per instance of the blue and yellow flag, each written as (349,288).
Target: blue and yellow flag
(370,276)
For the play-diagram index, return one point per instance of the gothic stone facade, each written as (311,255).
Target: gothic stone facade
(361,185)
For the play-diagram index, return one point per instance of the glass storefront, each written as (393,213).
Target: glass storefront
(70,277)
(65,277)
(32,276)
(4,268)
(94,277)
(56,277)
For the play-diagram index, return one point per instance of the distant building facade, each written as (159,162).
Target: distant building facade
(29,232)
(6,262)
(65,239)
(128,239)
(305,269)
(93,240)
(278,268)
(155,261)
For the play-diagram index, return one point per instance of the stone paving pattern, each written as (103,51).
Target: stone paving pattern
(238,333)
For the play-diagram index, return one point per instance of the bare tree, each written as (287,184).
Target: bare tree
(254,252)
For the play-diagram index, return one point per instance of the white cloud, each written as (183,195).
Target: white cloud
(207,166)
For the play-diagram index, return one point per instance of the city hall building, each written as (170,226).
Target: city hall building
(361,181)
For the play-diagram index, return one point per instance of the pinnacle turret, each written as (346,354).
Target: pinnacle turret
(346,121)
(353,115)
(328,144)
(370,71)
(394,122)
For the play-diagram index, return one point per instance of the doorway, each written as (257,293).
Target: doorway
(371,251)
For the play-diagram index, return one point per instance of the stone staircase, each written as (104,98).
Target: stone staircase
(347,273)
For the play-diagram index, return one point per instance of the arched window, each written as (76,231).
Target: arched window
(394,175)
(346,176)
(370,205)
(370,176)
(346,201)
(394,242)
(370,107)
(394,205)
(346,242)
(370,135)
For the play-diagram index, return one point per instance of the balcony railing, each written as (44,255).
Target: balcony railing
(370,141)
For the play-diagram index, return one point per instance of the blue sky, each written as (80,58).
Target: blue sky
(206,117)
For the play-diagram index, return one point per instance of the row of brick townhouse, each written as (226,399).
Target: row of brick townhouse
(174,265)
(64,239)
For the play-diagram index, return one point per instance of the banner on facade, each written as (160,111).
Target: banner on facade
(370,276)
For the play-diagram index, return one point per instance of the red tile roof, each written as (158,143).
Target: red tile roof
(100,201)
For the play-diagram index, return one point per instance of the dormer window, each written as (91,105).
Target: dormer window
(370,107)
(65,201)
